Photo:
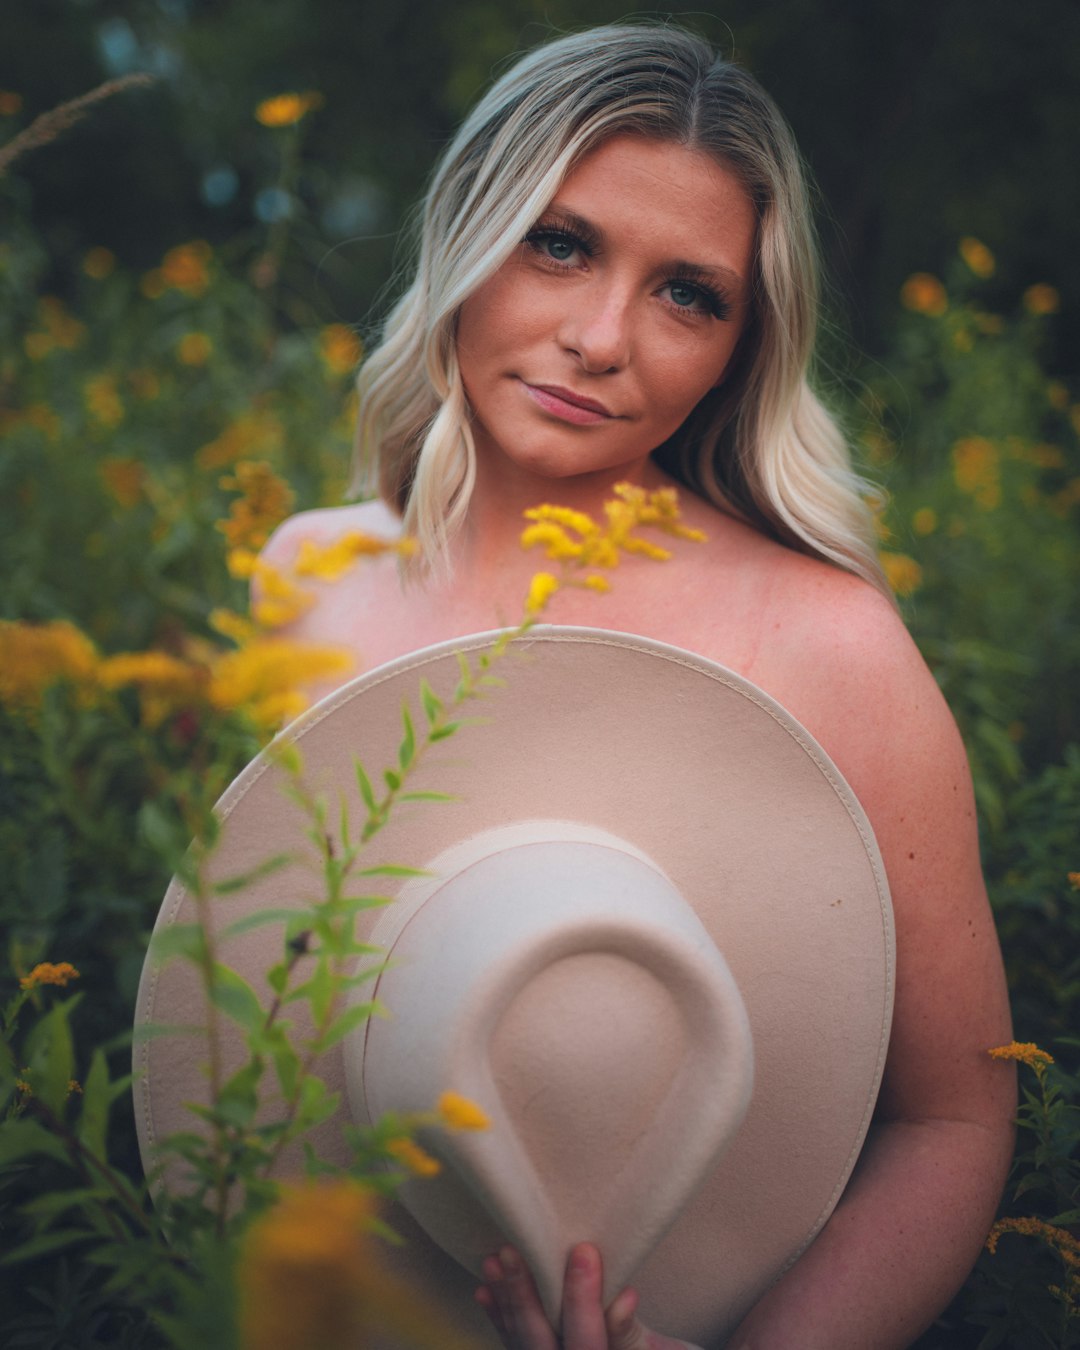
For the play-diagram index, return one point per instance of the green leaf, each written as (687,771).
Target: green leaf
(426,797)
(238,1099)
(432,702)
(258,919)
(393,780)
(21,1138)
(46,1242)
(235,997)
(96,1097)
(179,939)
(242,879)
(367,792)
(407,748)
(340,1027)
(49,1054)
(443,732)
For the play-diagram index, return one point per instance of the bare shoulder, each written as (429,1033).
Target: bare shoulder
(325,525)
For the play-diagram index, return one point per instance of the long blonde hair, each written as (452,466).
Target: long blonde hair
(762,446)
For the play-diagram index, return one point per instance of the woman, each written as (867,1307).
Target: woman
(616,281)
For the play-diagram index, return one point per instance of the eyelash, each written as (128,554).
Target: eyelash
(715,304)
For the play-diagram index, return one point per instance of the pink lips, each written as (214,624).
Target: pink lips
(566,405)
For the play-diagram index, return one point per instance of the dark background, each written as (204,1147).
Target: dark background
(923,121)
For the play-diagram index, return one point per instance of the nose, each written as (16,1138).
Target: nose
(597,329)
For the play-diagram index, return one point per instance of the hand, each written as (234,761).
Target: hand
(510,1299)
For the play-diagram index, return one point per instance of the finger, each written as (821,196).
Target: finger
(624,1330)
(582,1310)
(525,1322)
(486,1300)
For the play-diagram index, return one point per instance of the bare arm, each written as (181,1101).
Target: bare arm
(911,1222)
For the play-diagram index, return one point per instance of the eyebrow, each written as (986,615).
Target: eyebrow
(723,278)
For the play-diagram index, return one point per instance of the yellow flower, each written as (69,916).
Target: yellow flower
(186,268)
(266,499)
(1067,1246)
(903,574)
(194,349)
(1074,880)
(280,600)
(329,562)
(166,684)
(411,1156)
(10,103)
(125,480)
(103,401)
(924,294)
(1041,299)
(264,677)
(285,110)
(340,349)
(542,587)
(1025,1052)
(58,329)
(35,656)
(232,625)
(309,1277)
(459,1113)
(977,256)
(98,263)
(46,973)
(256,432)
(925,520)
(976,470)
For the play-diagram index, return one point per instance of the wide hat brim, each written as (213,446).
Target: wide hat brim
(697,777)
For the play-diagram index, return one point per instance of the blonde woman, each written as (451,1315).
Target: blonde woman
(616,281)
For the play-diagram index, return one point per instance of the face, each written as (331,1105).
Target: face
(621,309)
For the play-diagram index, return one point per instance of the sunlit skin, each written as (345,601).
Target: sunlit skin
(555,332)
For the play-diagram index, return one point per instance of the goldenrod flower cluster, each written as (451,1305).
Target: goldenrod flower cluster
(258,432)
(310,1278)
(340,349)
(1024,1052)
(285,110)
(58,330)
(978,257)
(903,573)
(576,541)
(264,502)
(185,268)
(330,562)
(453,1112)
(924,294)
(45,972)
(35,656)
(103,400)
(1041,299)
(976,469)
(124,479)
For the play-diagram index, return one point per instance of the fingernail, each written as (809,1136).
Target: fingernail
(511,1261)
(579,1262)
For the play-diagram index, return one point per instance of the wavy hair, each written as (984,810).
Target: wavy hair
(762,446)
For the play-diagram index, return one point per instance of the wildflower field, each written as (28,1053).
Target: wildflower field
(155,425)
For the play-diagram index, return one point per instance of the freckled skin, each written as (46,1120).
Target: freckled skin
(823,643)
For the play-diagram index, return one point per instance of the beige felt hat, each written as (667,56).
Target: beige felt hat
(655,944)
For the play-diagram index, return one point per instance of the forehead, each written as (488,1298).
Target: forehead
(661,192)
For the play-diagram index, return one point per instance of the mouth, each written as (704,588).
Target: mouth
(567,405)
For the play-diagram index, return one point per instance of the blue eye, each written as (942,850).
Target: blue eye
(560,248)
(684,296)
